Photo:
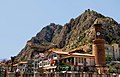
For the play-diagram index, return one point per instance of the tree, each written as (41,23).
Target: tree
(108,58)
(112,69)
(118,58)
(1,71)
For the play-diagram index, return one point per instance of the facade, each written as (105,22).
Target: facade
(51,62)
(37,61)
(116,50)
(59,63)
(78,61)
(112,51)
(59,60)
(22,66)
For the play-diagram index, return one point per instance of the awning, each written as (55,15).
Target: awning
(50,67)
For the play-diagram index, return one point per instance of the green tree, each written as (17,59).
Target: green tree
(108,58)
(118,58)
(112,69)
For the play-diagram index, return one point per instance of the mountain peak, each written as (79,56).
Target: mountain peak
(78,33)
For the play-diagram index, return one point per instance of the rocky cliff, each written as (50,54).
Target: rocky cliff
(40,43)
(78,32)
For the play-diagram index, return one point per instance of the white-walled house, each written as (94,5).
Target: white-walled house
(51,60)
(78,61)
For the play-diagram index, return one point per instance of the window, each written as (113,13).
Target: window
(72,60)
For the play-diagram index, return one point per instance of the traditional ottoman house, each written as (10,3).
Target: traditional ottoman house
(37,60)
(77,61)
(53,59)
(29,70)
(22,66)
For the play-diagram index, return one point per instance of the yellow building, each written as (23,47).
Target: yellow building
(112,50)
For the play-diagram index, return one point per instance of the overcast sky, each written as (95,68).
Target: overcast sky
(22,19)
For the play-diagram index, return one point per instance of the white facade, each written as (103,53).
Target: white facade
(116,50)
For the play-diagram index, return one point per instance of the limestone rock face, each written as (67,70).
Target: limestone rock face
(78,32)
(40,43)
